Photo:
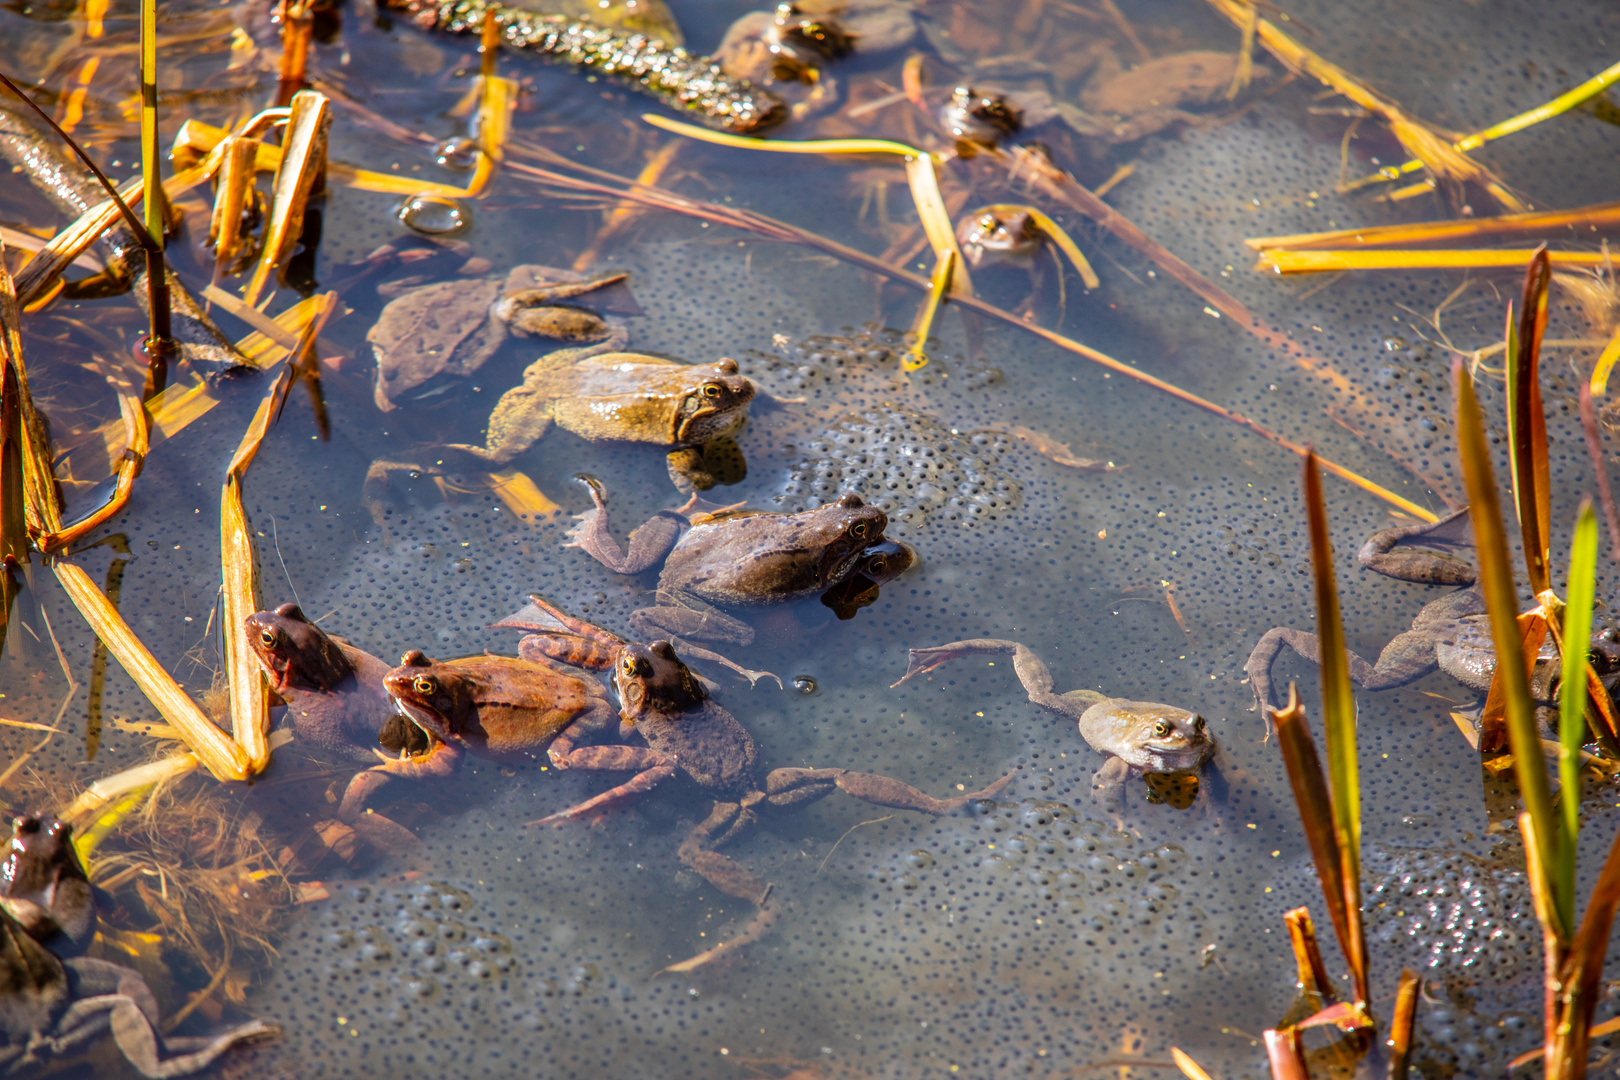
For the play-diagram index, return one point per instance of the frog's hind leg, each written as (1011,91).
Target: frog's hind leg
(1407,658)
(788,787)
(728,875)
(110,996)
(1031,671)
(649,544)
(653,769)
(706,623)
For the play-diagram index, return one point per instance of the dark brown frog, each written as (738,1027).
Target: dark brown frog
(731,557)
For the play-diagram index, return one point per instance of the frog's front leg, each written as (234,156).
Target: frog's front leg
(1407,658)
(649,544)
(705,623)
(1108,783)
(381,832)
(687,471)
(521,418)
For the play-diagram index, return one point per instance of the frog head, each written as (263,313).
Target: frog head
(294,652)
(714,404)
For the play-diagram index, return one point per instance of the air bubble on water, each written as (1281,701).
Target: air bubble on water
(804,684)
(434,215)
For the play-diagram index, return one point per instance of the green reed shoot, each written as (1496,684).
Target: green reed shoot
(1339,719)
(1582,585)
(1501,602)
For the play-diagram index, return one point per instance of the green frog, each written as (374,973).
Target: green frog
(621,397)
(453,327)
(1137,737)
(52,1007)
(686,733)
(730,556)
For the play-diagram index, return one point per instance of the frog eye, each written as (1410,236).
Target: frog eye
(628,665)
(879,564)
(1198,724)
(711,390)
(424,685)
(1161,728)
(858,530)
(268,637)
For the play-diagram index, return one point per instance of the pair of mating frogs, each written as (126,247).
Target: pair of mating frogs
(541,703)
(1452,633)
(56,1002)
(591,388)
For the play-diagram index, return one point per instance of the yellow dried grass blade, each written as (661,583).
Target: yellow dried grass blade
(521,496)
(265,352)
(1420,140)
(236,179)
(136,446)
(249,693)
(1601,215)
(1316,262)
(914,359)
(211,745)
(263,325)
(1559,105)
(1189,1068)
(920,174)
(108,788)
(303,163)
(1066,244)
(1605,364)
(42,502)
(59,253)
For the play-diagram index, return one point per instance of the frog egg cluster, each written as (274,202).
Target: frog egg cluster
(1449,913)
(907,464)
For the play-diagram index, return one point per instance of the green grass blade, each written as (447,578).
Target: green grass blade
(1501,602)
(1572,686)
(1339,720)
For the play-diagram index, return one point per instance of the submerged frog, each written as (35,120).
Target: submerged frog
(499,707)
(686,733)
(1452,633)
(1150,97)
(453,327)
(1138,737)
(54,1006)
(731,556)
(878,565)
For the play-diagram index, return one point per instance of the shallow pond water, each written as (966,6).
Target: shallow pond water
(1033,936)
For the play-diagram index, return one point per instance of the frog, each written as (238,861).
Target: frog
(44,887)
(338,706)
(504,708)
(55,1005)
(333,691)
(999,233)
(1137,738)
(453,327)
(730,556)
(1131,105)
(1451,633)
(685,732)
(879,564)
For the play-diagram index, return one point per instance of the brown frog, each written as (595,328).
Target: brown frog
(54,1007)
(498,707)
(1131,105)
(1452,632)
(732,557)
(453,327)
(1137,737)
(879,564)
(621,397)
(686,733)
(333,691)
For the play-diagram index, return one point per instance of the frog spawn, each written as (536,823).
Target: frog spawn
(910,466)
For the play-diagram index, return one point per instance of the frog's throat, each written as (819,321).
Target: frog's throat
(428,723)
(706,424)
